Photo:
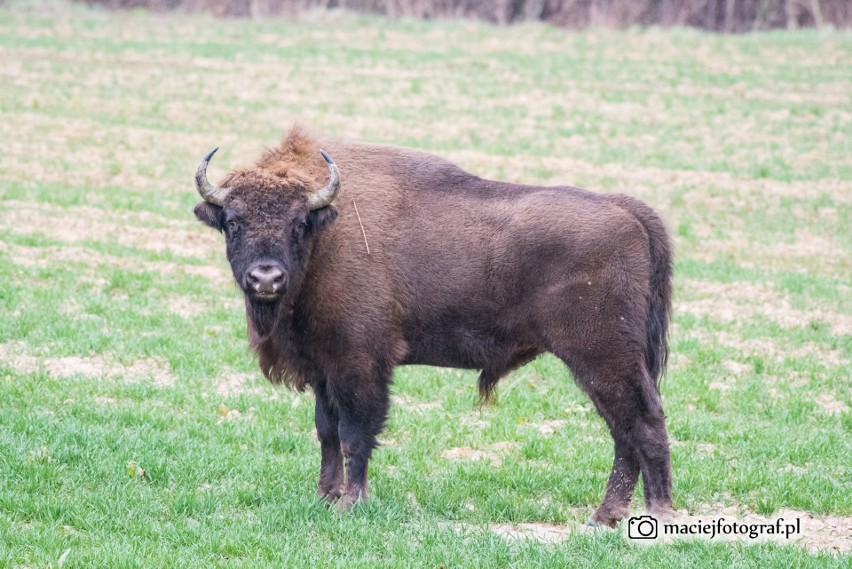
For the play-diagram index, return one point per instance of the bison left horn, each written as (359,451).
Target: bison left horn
(325,196)
(211,193)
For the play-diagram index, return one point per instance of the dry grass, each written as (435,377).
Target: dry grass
(19,357)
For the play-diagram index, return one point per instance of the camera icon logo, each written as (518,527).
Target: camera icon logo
(642,527)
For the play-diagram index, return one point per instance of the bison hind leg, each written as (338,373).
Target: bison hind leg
(626,396)
(492,374)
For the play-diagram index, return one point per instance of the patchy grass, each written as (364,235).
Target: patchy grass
(122,339)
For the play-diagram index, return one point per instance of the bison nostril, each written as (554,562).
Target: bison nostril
(266,279)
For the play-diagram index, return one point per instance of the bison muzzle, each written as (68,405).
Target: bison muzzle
(385,256)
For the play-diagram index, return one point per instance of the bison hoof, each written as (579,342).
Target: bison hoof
(330,495)
(348,501)
(606,516)
(609,515)
(663,513)
(593,525)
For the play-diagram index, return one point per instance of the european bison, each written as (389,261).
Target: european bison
(400,257)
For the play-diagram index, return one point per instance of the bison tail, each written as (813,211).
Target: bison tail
(660,294)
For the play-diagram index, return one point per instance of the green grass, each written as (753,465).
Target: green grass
(122,337)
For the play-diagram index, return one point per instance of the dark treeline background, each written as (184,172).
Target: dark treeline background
(716,15)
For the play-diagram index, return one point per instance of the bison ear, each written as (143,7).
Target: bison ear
(209,214)
(318,219)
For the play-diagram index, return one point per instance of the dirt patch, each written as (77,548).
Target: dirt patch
(83,223)
(51,256)
(495,453)
(807,252)
(733,371)
(767,348)
(467,453)
(474,421)
(535,531)
(70,307)
(93,366)
(550,426)
(829,403)
(826,356)
(185,306)
(808,244)
(736,368)
(831,534)
(234,384)
(542,532)
(816,533)
(739,302)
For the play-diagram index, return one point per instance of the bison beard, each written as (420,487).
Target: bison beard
(460,272)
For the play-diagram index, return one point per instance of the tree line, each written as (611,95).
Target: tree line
(731,16)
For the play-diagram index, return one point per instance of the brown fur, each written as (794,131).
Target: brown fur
(461,272)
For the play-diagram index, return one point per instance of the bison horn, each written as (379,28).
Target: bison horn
(325,196)
(210,193)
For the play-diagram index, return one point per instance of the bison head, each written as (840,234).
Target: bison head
(269,222)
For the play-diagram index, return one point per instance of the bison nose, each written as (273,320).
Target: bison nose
(266,279)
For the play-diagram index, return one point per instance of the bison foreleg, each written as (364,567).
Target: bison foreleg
(362,417)
(330,485)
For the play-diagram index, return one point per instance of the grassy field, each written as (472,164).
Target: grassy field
(122,337)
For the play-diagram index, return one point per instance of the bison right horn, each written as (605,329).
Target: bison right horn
(325,196)
(209,192)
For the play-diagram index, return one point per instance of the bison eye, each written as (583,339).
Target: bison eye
(299,229)
(233,226)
